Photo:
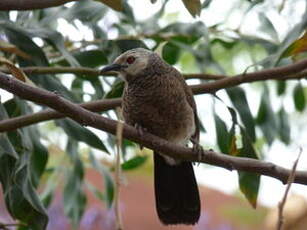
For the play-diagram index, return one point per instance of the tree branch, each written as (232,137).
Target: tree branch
(277,73)
(103,105)
(6,5)
(85,117)
(50,114)
(95,72)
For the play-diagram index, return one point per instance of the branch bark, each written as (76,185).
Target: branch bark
(277,73)
(6,5)
(88,118)
(95,72)
(292,72)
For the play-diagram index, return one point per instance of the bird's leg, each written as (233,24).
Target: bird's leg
(197,148)
(140,131)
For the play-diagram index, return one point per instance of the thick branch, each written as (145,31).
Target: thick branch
(88,118)
(49,114)
(14,123)
(6,5)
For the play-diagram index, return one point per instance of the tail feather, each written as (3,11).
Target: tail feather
(177,196)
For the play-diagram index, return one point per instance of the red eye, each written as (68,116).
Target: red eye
(130,59)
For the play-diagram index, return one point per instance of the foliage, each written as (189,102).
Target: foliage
(34,38)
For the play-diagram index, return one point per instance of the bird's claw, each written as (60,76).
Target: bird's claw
(198,149)
(140,131)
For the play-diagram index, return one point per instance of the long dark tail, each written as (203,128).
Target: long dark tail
(177,196)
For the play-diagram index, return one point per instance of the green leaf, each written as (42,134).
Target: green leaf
(281,87)
(266,119)
(249,186)
(85,11)
(170,53)
(79,133)
(299,97)
(39,156)
(248,182)
(20,38)
(20,197)
(74,197)
(284,126)
(187,33)
(222,134)
(56,40)
(107,178)
(238,98)
(117,90)
(134,162)
(39,153)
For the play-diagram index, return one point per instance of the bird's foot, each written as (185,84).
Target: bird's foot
(198,149)
(140,131)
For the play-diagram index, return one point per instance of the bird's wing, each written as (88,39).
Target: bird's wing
(191,101)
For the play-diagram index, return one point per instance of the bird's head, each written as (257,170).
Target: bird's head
(130,64)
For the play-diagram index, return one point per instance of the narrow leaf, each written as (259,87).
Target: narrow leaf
(193,6)
(238,99)
(134,162)
(299,97)
(284,126)
(79,133)
(222,134)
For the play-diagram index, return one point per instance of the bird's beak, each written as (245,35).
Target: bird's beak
(113,67)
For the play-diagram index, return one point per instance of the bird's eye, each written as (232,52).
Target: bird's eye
(130,59)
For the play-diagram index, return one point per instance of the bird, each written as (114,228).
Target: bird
(156,99)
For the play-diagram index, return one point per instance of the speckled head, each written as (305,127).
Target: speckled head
(131,63)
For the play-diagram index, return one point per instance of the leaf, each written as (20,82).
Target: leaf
(193,6)
(79,133)
(284,126)
(267,26)
(85,11)
(170,53)
(249,186)
(298,46)
(7,47)
(74,197)
(248,182)
(114,4)
(186,33)
(266,119)
(56,40)
(222,134)
(21,39)
(108,182)
(16,72)
(281,87)
(238,99)
(134,162)
(292,35)
(116,91)
(299,97)
(20,197)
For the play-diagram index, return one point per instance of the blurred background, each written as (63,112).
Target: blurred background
(72,166)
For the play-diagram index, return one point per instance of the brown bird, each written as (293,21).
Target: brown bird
(157,99)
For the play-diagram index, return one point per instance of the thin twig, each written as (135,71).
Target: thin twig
(85,117)
(95,72)
(282,203)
